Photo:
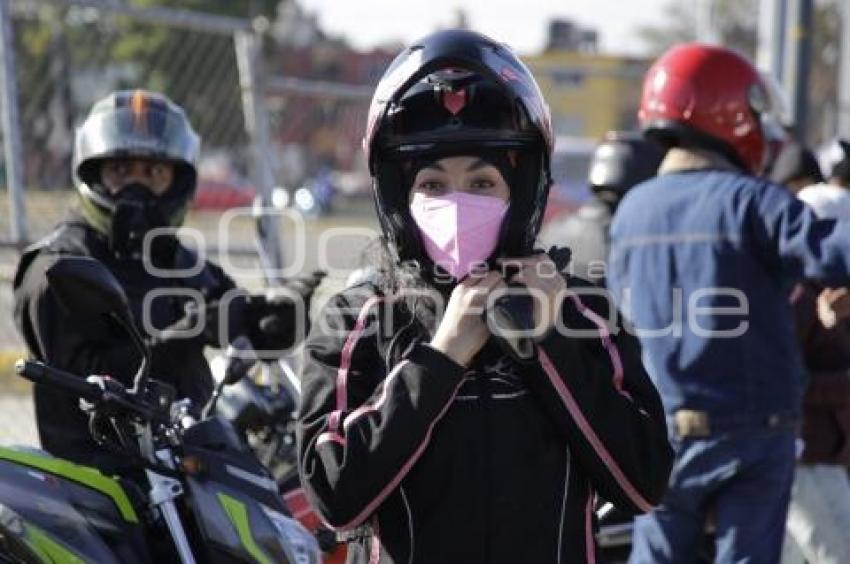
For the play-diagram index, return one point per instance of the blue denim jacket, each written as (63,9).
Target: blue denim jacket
(685,242)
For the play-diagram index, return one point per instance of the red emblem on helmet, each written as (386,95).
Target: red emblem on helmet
(454,101)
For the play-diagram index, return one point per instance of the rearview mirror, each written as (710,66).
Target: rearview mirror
(84,285)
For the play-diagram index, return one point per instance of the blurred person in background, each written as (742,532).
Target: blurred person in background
(796,168)
(134,169)
(831,198)
(421,438)
(622,160)
(819,512)
(703,257)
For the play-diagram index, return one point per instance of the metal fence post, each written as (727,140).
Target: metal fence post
(770,54)
(843,129)
(248,49)
(12,129)
(800,53)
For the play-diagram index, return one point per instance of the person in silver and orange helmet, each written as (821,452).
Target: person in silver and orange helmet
(422,436)
(134,168)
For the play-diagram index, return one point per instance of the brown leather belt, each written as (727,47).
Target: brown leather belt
(693,423)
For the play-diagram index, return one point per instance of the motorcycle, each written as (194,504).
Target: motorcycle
(192,491)
(262,404)
(263,408)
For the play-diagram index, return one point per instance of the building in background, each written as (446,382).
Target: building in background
(589,93)
(566,35)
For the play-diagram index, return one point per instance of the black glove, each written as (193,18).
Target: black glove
(211,332)
(516,311)
(274,322)
(279,319)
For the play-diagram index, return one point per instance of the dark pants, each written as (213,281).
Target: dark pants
(742,479)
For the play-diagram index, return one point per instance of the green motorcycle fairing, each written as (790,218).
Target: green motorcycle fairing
(49,505)
(237,505)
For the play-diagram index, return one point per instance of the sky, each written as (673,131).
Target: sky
(519,23)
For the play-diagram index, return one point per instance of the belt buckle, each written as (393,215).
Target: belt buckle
(692,423)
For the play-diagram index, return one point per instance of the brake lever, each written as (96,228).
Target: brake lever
(115,397)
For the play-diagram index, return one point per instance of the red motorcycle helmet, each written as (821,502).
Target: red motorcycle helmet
(709,97)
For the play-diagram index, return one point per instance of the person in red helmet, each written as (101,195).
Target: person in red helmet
(420,438)
(703,258)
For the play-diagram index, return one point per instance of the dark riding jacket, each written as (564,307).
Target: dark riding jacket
(85,345)
(416,459)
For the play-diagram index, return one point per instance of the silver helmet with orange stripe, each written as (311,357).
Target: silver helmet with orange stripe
(135,125)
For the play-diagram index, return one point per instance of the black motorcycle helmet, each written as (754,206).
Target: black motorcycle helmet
(457,92)
(134,124)
(622,160)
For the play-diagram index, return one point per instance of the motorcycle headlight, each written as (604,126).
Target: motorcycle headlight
(300,545)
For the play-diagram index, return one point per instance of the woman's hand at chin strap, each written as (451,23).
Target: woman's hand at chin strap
(462,331)
(547,286)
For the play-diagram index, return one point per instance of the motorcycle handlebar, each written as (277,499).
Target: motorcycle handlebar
(40,373)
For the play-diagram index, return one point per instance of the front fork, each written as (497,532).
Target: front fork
(163,492)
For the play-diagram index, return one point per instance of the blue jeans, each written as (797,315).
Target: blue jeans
(742,479)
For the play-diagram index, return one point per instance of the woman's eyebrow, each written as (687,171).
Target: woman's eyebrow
(477,164)
(435,166)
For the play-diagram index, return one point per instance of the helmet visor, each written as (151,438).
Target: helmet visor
(126,131)
(443,67)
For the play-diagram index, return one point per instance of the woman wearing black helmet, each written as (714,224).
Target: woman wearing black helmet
(421,437)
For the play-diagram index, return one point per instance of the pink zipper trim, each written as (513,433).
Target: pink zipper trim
(605,337)
(589,434)
(367,407)
(370,508)
(345,363)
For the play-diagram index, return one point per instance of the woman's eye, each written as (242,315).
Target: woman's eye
(482,184)
(431,185)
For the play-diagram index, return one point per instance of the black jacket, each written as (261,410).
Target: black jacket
(826,405)
(423,461)
(90,345)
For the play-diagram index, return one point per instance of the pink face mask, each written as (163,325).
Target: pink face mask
(459,230)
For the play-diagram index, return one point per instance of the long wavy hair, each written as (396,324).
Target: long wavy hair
(419,300)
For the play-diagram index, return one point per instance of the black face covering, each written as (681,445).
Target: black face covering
(138,211)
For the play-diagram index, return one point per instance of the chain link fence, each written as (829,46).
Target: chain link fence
(69,54)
